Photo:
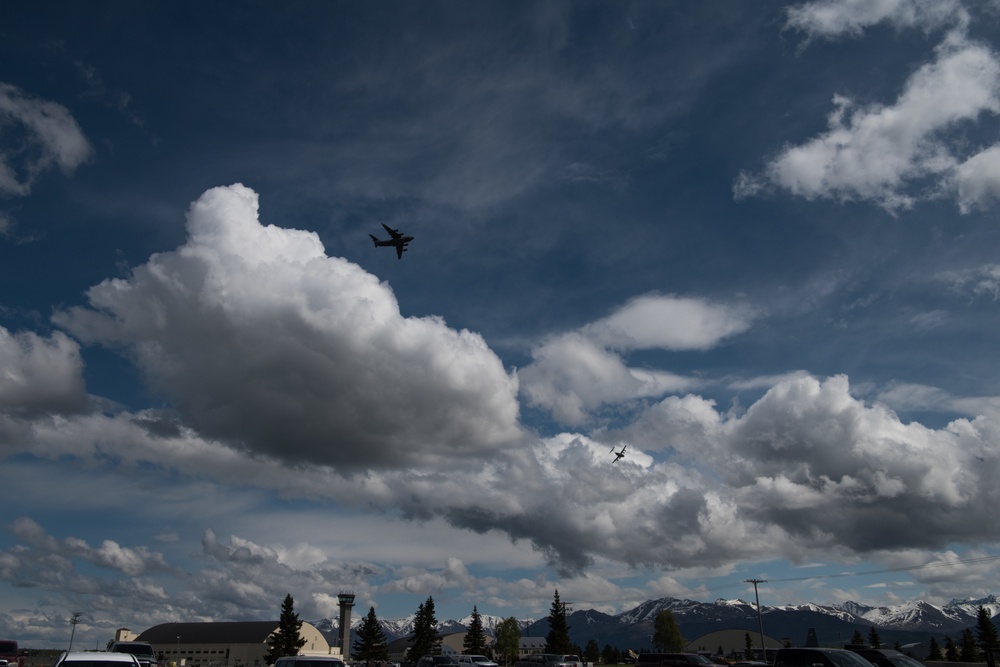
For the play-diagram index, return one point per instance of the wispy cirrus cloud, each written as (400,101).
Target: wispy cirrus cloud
(37,135)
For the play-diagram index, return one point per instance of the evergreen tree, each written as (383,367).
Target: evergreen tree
(371,643)
(873,639)
(425,639)
(748,644)
(507,641)
(666,634)
(950,650)
(986,631)
(610,655)
(475,638)
(968,649)
(934,650)
(286,639)
(857,639)
(557,641)
(592,652)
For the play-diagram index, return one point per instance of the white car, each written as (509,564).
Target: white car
(95,659)
(475,661)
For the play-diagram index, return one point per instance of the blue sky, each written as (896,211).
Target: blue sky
(756,243)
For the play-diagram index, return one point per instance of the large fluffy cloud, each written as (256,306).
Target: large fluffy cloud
(262,341)
(895,154)
(828,471)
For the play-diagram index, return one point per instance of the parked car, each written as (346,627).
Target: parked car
(309,661)
(818,657)
(437,661)
(886,657)
(549,660)
(143,651)
(475,661)
(95,659)
(672,660)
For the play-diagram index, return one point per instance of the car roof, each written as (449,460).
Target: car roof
(96,656)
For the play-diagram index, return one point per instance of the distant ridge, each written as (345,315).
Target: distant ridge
(905,623)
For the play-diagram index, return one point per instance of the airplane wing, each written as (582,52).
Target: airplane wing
(394,233)
(399,251)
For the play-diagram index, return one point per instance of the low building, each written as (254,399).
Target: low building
(530,645)
(731,642)
(228,644)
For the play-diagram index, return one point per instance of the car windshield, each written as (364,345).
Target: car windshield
(8,648)
(904,661)
(134,649)
(847,659)
(94,663)
(701,660)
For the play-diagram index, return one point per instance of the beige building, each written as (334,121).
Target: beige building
(731,642)
(232,644)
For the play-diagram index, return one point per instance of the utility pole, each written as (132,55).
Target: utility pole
(73,621)
(760,621)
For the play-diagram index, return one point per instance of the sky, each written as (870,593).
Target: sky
(754,243)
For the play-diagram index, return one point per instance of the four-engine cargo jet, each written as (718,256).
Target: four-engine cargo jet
(397,240)
(618,455)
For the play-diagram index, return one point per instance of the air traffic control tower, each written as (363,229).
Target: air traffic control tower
(346,602)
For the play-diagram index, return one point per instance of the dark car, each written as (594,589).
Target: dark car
(818,657)
(886,657)
(672,660)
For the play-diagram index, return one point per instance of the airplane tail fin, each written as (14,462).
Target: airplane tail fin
(375,240)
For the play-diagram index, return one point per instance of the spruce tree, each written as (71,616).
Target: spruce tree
(557,641)
(950,650)
(986,630)
(371,643)
(507,641)
(666,633)
(748,646)
(592,652)
(968,649)
(286,640)
(934,650)
(858,639)
(873,639)
(474,642)
(425,639)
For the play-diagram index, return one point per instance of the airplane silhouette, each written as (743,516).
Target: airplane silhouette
(618,455)
(397,240)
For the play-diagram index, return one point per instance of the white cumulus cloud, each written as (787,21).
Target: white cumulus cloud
(261,340)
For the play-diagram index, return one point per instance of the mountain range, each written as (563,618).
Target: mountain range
(905,623)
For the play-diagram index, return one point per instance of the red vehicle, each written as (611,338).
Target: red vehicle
(9,655)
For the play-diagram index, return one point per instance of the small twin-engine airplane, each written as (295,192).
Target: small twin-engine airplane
(397,240)
(618,455)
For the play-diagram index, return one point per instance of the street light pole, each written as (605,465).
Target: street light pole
(760,621)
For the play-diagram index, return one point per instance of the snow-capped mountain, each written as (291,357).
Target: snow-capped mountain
(907,622)
(921,615)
